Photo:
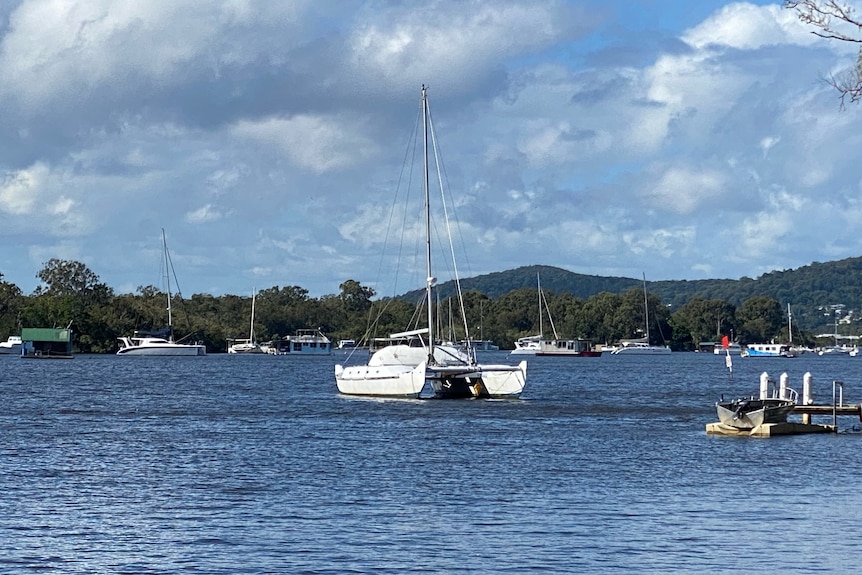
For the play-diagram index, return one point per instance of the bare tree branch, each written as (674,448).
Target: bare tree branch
(834,21)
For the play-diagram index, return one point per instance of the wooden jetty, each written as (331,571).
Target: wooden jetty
(806,409)
(829,410)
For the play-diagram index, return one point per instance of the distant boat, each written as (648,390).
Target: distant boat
(541,346)
(12,345)
(303,342)
(161,342)
(246,345)
(641,346)
(479,344)
(414,358)
(346,343)
(728,347)
(767,350)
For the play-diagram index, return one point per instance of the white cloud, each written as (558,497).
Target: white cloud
(316,143)
(745,26)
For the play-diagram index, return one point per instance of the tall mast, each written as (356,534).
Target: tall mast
(539,285)
(251,327)
(646,311)
(429,280)
(168,283)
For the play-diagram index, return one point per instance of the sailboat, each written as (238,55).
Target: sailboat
(539,345)
(160,342)
(414,358)
(641,346)
(246,345)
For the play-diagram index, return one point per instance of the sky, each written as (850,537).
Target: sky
(673,139)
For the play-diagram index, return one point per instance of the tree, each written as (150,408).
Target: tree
(835,21)
(761,319)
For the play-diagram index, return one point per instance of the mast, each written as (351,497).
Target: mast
(539,285)
(168,283)
(429,280)
(789,325)
(646,311)
(251,327)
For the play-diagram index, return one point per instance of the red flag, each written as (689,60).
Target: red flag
(725,342)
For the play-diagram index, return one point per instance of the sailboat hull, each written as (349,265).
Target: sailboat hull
(484,381)
(167,348)
(381,380)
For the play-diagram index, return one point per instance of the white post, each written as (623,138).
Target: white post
(807,396)
(782,385)
(764,385)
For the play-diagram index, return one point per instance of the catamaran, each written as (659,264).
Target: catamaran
(414,359)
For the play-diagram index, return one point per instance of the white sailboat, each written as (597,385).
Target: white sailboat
(160,342)
(641,346)
(246,345)
(542,346)
(414,358)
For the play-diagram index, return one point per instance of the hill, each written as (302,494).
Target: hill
(812,290)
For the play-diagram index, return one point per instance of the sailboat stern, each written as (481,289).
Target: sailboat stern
(481,381)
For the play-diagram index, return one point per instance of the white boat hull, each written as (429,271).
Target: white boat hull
(486,381)
(381,380)
(158,346)
(642,350)
(178,349)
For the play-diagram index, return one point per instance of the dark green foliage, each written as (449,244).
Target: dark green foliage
(501,306)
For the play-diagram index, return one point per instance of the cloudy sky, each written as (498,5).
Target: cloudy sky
(679,139)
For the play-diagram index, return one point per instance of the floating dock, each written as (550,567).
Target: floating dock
(769,429)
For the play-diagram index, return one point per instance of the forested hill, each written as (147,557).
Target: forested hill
(806,288)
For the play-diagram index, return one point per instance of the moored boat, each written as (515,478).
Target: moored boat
(161,342)
(767,350)
(249,345)
(641,346)
(413,359)
(751,412)
(303,342)
(12,345)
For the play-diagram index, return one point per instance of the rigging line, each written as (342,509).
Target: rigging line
(548,309)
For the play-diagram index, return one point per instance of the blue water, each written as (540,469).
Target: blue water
(243,464)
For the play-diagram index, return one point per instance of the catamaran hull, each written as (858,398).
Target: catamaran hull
(381,380)
(484,381)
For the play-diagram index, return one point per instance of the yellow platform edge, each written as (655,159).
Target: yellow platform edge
(769,429)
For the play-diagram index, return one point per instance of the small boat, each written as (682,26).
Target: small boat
(479,344)
(733,348)
(160,342)
(410,360)
(751,412)
(246,345)
(12,345)
(641,345)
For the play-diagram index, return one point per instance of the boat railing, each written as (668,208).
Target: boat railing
(788,393)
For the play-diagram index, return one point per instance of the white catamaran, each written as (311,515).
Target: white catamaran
(414,358)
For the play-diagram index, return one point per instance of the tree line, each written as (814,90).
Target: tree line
(71,294)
